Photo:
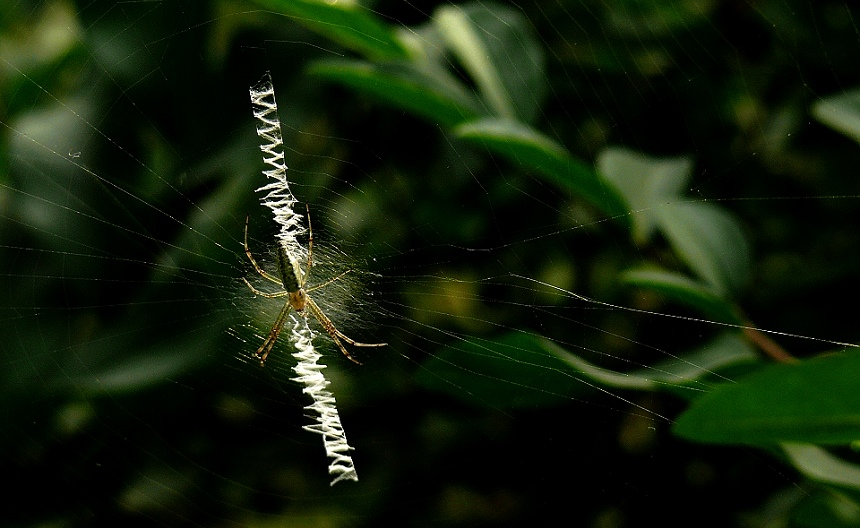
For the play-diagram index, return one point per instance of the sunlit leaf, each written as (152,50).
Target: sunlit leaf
(346,23)
(811,401)
(136,373)
(727,350)
(38,55)
(684,290)
(602,376)
(524,370)
(532,150)
(102,368)
(496,47)
(435,97)
(710,241)
(645,182)
(840,112)
(818,464)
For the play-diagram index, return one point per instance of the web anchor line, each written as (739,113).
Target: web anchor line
(278,197)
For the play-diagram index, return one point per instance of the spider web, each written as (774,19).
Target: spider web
(130,162)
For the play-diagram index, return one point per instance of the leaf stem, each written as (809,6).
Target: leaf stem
(767,345)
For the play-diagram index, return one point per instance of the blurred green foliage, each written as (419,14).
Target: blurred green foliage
(499,165)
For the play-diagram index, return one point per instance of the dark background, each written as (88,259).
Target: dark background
(129,165)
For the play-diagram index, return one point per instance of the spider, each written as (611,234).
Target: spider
(292,280)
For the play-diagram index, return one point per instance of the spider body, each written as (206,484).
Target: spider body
(290,273)
(289,270)
(292,281)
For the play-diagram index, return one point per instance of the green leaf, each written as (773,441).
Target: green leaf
(815,401)
(346,23)
(840,112)
(707,238)
(689,370)
(496,47)
(602,376)
(647,22)
(523,370)
(827,510)
(645,182)
(427,93)
(819,465)
(513,371)
(138,372)
(684,290)
(528,148)
(710,241)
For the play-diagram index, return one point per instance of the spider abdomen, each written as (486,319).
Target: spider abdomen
(288,269)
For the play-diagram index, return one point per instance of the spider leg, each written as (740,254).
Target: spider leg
(254,262)
(336,335)
(265,294)
(353,342)
(326,283)
(263,352)
(310,246)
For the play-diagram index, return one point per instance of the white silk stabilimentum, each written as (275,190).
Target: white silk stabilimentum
(277,195)
(280,200)
(328,420)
